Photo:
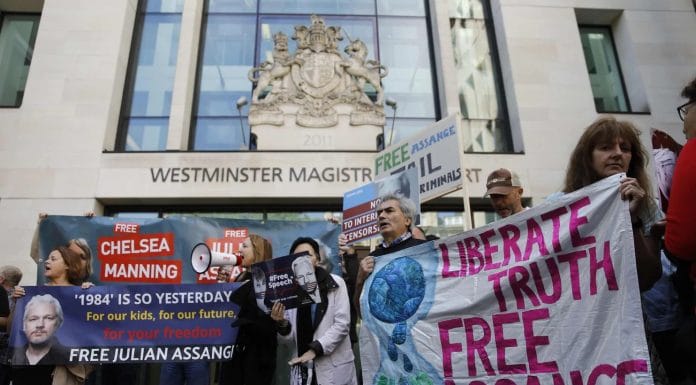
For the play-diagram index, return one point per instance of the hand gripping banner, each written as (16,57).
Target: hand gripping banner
(547,296)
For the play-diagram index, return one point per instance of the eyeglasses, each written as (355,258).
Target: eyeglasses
(683,109)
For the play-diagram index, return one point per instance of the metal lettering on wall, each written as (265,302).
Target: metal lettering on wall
(357,175)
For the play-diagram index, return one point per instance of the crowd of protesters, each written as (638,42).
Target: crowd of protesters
(322,337)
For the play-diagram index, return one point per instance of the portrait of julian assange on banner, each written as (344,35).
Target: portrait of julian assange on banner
(128,323)
(547,296)
(289,279)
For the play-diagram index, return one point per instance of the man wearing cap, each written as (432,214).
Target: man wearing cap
(505,191)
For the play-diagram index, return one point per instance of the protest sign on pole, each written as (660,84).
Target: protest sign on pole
(125,323)
(547,296)
(434,152)
(360,219)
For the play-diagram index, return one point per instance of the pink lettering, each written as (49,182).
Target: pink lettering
(502,343)
(555,281)
(510,235)
(534,237)
(448,348)
(497,289)
(520,288)
(605,265)
(627,367)
(473,255)
(599,370)
(489,250)
(576,221)
(572,260)
(446,272)
(532,341)
(555,217)
(474,346)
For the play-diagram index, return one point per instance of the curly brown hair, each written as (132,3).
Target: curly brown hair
(581,173)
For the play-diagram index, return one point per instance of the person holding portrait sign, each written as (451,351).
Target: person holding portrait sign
(319,331)
(35,364)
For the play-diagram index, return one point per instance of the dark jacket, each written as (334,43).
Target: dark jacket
(254,358)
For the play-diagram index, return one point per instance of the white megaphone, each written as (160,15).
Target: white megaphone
(203,259)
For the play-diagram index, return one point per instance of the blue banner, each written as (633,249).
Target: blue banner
(152,250)
(134,323)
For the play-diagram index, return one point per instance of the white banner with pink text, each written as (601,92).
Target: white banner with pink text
(547,296)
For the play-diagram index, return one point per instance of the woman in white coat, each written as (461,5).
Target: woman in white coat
(319,332)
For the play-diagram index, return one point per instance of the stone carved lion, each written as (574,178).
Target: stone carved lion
(362,71)
(269,72)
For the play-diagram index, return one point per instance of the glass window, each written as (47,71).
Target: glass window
(234,41)
(401,7)
(145,119)
(479,88)
(405,51)
(343,7)
(219,134)
(603,67)
(17,37)
(404,128)
(228,54)
(351,27)
(246,6)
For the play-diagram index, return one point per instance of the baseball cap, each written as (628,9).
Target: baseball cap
(501,181)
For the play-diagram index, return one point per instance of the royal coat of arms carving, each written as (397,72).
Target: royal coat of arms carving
(317,86)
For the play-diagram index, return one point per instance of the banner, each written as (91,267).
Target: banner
(433,152)
(360,219)
(137,323)
(547,296)
(153,250)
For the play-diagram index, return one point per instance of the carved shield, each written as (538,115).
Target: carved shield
(317,75)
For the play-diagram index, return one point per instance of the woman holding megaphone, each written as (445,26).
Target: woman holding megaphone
(254,358)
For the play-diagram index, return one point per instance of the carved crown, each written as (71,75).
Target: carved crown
(280,37)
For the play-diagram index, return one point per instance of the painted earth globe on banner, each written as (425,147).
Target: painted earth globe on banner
(397,290)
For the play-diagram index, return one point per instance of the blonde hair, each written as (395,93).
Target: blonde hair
(263,251)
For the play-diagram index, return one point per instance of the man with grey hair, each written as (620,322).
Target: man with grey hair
(395,215)
(43,316)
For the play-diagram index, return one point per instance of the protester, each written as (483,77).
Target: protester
(504,189)
(9,278)
(681,213)
(255,248)
(253,361)
(319,332)
(606,148)
(395,218)
(254,358)
(62,267)
(77,245)
(680,243)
